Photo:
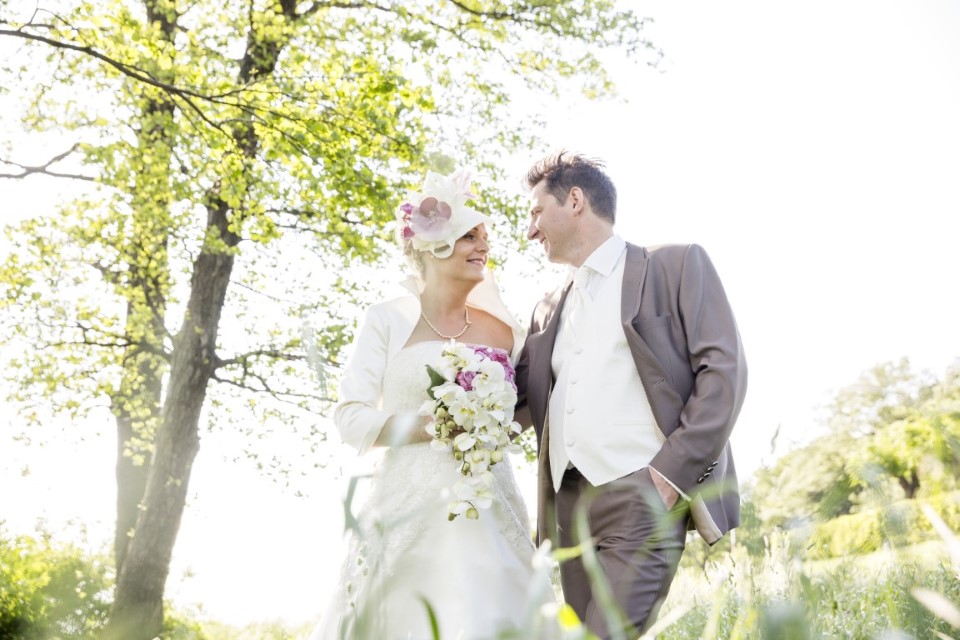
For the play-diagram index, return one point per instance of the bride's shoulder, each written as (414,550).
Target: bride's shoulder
(400,305)
(394,315)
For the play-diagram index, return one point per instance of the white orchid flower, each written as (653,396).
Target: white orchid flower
(479,460)
(463,410)
(464,441)
(490,378)
(475,402)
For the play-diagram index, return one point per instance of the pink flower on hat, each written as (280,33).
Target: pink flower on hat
(430,220)
(442,216)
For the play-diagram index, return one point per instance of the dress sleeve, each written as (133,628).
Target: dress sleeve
(357,415)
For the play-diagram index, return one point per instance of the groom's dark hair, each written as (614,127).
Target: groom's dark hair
(565,170)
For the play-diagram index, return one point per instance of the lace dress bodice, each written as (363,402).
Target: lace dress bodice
(405,380)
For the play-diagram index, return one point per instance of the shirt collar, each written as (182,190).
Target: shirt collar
(604,258)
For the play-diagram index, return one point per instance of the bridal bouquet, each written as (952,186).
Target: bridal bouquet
(472,396)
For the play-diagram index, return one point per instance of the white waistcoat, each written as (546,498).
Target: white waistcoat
(600,420)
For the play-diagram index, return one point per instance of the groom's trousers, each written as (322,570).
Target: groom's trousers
(636,541)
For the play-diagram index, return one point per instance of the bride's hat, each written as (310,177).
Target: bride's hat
(434,218)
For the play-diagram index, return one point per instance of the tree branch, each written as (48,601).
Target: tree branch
(44,168)
(243,359)
(129,70)
(280,396)
(316,6)
(263,293)
(506,15)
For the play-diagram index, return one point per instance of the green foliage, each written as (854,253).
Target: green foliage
(178,626)
(828,547)
(302,123)
(852,534)
(892,434)
(747,539)
(882,395)
(919,447)
(50,591)
(811,483)
(245,157)
(900,524)
(775,596)
(256,631)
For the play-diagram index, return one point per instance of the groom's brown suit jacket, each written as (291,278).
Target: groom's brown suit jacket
(686,346)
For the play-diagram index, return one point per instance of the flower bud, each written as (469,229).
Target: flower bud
(472,514)
(451,517)
(496,456)
(457,454)
(465,469)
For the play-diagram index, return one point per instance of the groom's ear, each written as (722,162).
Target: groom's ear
(577,200)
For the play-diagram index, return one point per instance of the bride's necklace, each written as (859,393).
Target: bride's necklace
(466,325)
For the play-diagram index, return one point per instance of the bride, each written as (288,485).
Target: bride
(410,572)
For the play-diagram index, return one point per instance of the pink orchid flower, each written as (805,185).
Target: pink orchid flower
(430,220)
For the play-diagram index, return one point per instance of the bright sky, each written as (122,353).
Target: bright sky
(812,148)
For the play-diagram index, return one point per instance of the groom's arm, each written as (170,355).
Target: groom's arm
(522,411)
(716,356)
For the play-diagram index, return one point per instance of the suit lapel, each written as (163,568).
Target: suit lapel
(541,354)
(634,271)
(651,371)
(553,323)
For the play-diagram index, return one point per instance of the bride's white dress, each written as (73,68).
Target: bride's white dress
(476,575)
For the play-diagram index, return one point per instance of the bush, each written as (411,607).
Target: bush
(49,592)
(854,534)
(900,524)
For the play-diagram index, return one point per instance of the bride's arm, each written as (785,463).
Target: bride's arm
(358,417)
(404,428)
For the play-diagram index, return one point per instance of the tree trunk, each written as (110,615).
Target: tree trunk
(137,612)
(910,484)
(131,470)
(137,404)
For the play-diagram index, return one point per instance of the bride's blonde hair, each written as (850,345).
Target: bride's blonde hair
(413,258)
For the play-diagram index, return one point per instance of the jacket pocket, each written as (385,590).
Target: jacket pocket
(642,323)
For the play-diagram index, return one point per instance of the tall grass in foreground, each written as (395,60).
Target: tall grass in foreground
(891,594)
(896,593)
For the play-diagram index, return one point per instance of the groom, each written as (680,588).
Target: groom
(633,375)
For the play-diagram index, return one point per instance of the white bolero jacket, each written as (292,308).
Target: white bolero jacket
(383,332)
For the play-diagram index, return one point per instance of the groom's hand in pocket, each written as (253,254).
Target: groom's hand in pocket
(668,494)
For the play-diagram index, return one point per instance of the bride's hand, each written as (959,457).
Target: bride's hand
(404,428)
